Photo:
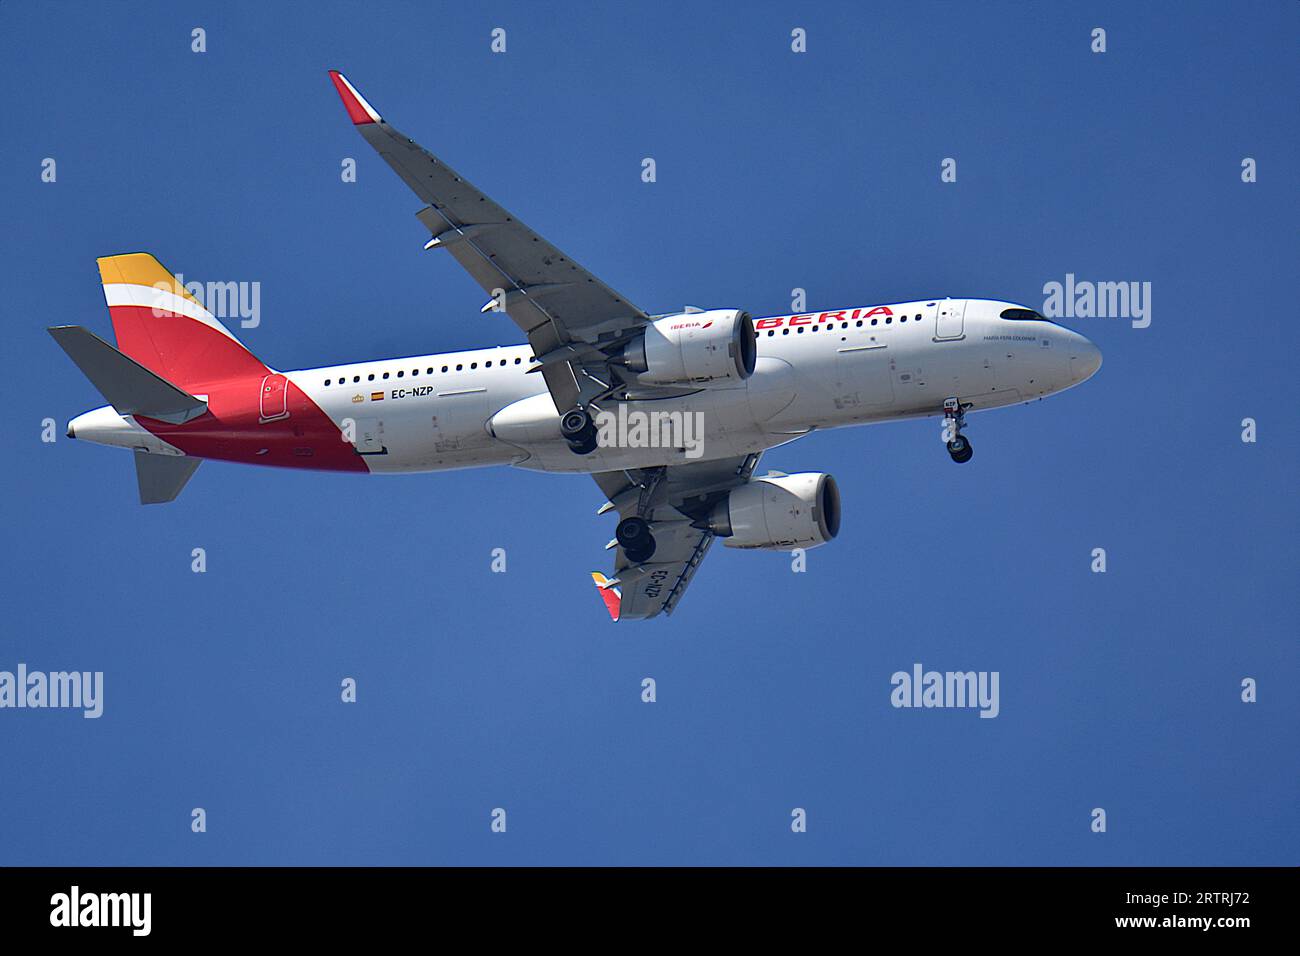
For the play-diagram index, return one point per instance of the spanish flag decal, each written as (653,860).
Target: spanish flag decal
(376,396)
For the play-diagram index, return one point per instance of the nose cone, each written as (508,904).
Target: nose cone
(1085,358)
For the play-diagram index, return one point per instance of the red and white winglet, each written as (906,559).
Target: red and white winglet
(609,593)
(359,111)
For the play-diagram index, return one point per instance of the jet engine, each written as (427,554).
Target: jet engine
(779,513)
(694,348)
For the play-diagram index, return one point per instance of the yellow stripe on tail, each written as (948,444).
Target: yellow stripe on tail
(140,268)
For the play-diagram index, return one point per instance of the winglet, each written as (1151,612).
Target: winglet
(609,593)
(359,111)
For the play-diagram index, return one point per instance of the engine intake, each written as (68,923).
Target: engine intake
(694,347)
(779,513)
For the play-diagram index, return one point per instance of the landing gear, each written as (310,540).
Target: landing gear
(579,431)
(954,420)
(634,536)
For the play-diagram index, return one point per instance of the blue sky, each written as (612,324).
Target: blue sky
(775,170)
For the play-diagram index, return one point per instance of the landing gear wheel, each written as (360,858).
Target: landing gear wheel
(954,419)
(634,536)
(584,447)
(579,431)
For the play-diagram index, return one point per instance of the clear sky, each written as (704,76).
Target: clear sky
(776,170)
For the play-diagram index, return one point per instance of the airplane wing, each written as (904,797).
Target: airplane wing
(563,308)
(674,500)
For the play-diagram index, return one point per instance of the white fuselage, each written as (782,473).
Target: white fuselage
(813,371)
(483,407)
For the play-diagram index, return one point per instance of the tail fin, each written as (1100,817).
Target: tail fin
(164,328)
(609,593)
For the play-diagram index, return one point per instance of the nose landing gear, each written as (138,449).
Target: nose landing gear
(954,420)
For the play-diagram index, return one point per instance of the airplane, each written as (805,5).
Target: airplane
(181,388)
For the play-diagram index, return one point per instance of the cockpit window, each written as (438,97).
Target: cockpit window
(1022,314)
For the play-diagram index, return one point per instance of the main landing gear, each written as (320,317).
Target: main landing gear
(634,533)
(634,536)
(579,431)
(954,420)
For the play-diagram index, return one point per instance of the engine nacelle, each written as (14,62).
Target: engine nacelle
(779,513)
(694,347)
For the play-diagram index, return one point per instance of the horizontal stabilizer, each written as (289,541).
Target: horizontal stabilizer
(129,387)
(161,477)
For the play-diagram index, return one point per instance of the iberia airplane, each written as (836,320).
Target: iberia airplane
(181,388)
